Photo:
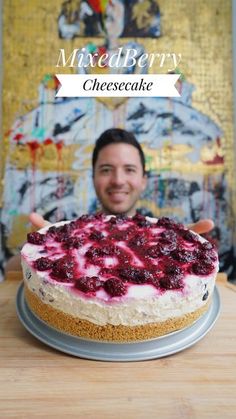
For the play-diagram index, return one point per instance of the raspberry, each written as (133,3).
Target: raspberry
(43,264)
(211,256)
(184,256)
(189,236)
(120,235)
(73,225)
(153,252)
(173,271)
(202,268)
(144,223)
(88,284)
(36,238)
(96,235)
(206,246)
(166,222)
(135,275)
(93,252)
(138,217)
(166,248)
(207,251)
(122,218)
(161,249)
(52,231)
(63,233)
(63,269)
(96,252)
(208,256)
(119,219)
(170,282)
(169,235)
(137,241)
(115,287)
(141,220)
(109,251)
(65,229)
(72,242)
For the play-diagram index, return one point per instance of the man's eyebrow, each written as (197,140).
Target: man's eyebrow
(105,165)
(112,165)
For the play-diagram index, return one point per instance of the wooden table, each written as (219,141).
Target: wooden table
(37,381)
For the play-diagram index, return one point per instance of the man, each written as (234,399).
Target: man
(119,176)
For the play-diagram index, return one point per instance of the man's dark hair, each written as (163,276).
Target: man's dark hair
(116,136)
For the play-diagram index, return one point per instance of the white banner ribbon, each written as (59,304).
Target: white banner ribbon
(117,85)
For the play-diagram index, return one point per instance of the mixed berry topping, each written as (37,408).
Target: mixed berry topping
(72,242)
(36,238)
(95,253)
(135,275)
(63,269)
(115,287)
(202,268)
(43,264)
(88,284)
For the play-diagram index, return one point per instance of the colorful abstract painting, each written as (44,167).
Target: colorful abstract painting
(109,18)
(188,141)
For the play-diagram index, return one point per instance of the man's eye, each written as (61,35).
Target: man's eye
(130,170)
(105,171)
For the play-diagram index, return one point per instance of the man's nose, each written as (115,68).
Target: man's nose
(118,178)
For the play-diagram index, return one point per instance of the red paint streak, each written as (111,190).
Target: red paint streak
(217,160)
(48,141)
(33,147)
(59,147)
(18,137)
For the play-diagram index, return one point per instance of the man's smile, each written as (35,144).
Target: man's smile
(117,195)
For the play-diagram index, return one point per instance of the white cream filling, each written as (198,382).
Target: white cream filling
(143,304)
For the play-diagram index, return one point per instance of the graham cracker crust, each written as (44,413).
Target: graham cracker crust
(109,333)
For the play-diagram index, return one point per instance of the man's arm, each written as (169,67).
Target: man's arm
(202,226)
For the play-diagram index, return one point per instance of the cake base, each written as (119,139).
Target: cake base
(110,333)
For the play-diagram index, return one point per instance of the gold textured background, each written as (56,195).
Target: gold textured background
(198,29)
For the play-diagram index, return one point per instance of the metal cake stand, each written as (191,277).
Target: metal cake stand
(106,351)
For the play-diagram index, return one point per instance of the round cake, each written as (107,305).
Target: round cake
(118,279)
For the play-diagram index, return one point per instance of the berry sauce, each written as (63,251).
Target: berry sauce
(96,253)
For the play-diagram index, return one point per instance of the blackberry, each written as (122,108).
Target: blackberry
(170,282)
(184,256)
(63,269)
(88,284)
(72,242)
(36,238)
(115,287)
(202,268)
(43,264)
(135,275)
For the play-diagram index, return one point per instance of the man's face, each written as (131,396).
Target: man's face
(118,178)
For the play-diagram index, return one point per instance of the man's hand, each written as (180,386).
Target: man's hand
(38,221)
(202,226)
